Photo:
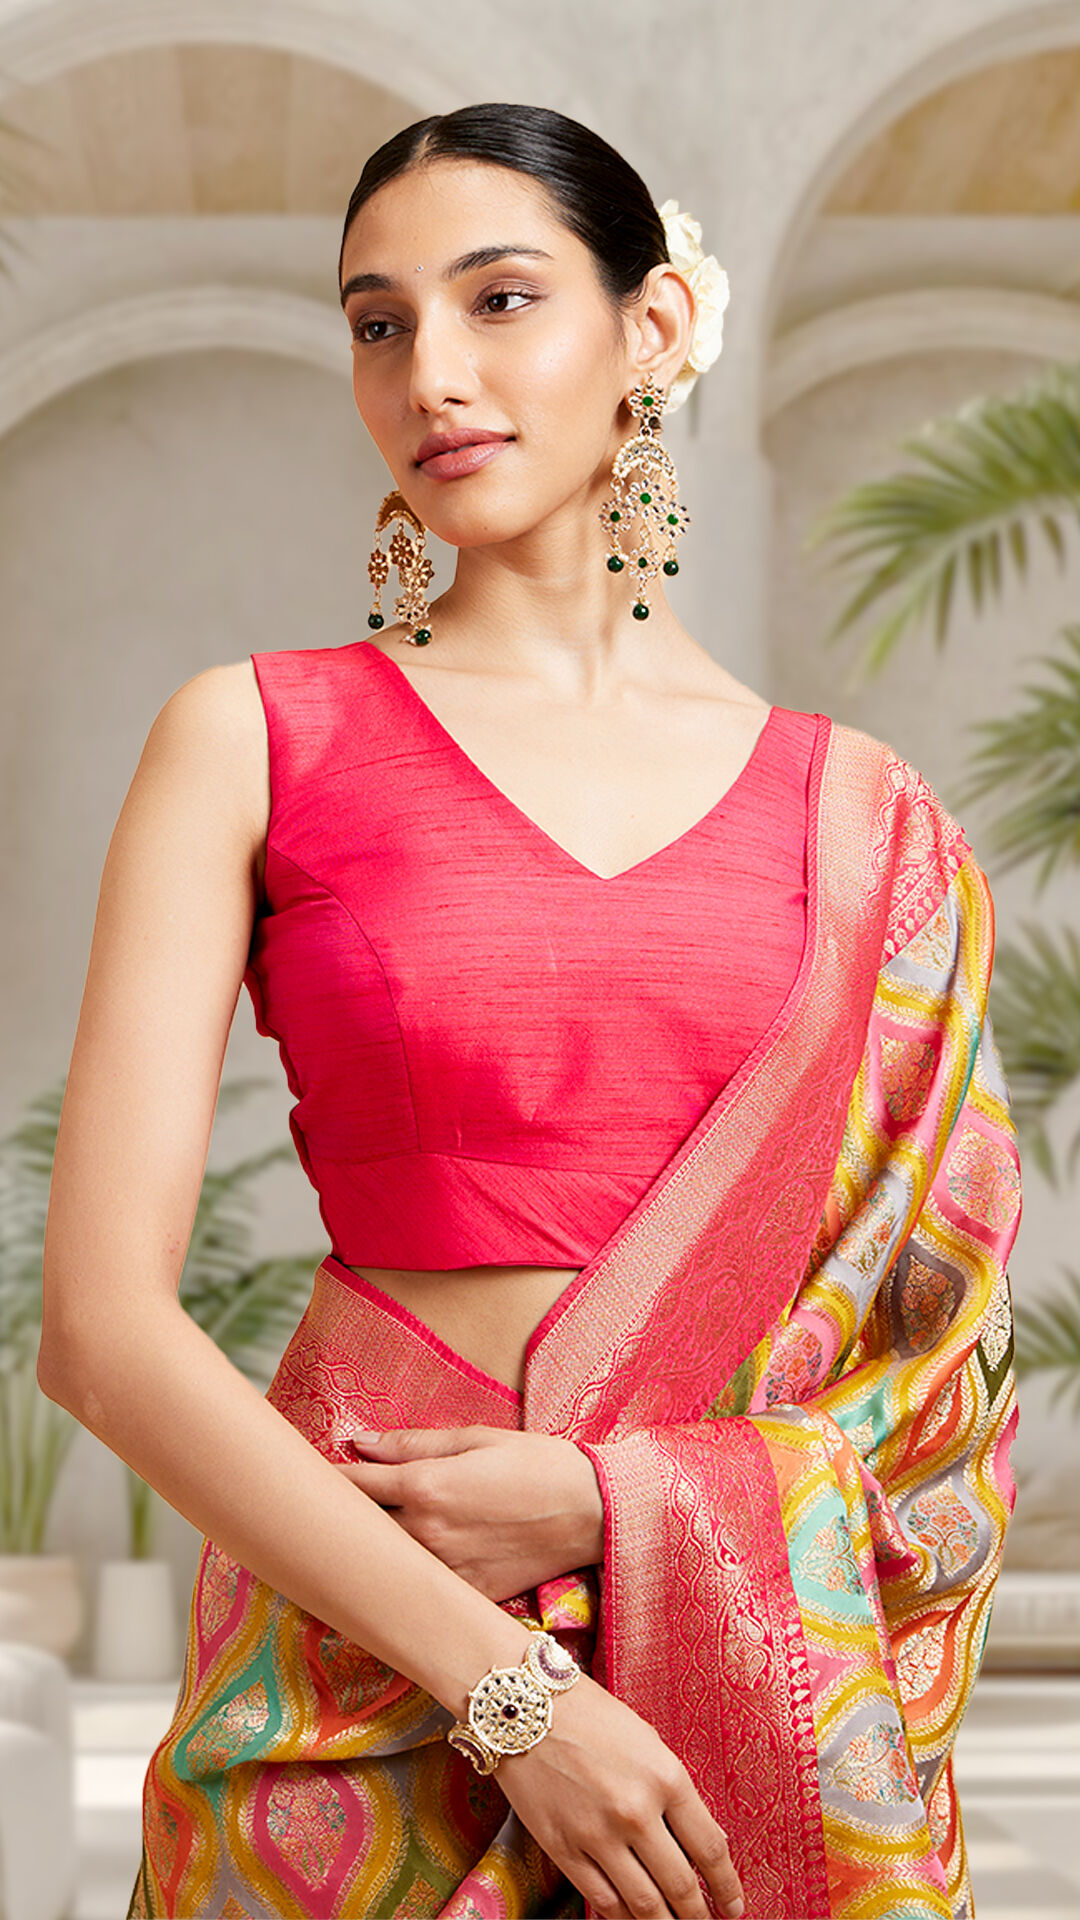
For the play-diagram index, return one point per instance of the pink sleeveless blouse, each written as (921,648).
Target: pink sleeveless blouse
(493,1051)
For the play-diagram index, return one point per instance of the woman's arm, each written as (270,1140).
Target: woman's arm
(170,944)
(601,1793)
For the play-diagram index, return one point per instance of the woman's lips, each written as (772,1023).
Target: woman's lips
(461,460)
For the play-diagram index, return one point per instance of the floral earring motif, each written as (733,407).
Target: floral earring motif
(644,517)
(415,571)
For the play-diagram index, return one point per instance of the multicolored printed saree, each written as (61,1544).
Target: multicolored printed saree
(791,1370)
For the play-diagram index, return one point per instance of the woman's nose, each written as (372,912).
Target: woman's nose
(441,371)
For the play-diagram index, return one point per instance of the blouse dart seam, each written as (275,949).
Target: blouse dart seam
(333,895)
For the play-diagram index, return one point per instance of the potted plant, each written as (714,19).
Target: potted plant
(40,1596)
(248,1306)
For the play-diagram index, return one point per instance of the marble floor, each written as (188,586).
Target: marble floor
(1018,1767)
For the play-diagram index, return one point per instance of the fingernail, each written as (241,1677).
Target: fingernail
(733,1911)
(365,1437)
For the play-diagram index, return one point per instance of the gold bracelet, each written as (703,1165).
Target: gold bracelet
(510,1707)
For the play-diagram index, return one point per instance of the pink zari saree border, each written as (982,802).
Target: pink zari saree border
(790,1368)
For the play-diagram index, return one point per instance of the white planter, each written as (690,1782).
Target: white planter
(41,1600)
(135,1634)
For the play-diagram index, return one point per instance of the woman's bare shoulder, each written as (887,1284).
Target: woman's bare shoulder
(217,714)
(209,739)
(220,703)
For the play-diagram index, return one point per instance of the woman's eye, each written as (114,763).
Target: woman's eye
(368,332)
(502,295)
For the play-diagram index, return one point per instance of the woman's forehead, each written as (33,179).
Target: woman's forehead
(445,209)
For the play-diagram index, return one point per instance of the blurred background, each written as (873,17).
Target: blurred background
(894,193)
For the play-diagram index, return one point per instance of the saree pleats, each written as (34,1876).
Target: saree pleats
(791,1369)
(301,1777)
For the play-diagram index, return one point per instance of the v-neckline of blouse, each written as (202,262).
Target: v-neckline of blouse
(533,826)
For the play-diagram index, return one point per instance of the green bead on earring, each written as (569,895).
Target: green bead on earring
(644,516)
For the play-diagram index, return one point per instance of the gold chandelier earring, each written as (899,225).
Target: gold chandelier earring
(415,572)
(644,517)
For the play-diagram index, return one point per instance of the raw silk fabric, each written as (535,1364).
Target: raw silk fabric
(493,1049)
(791,1367)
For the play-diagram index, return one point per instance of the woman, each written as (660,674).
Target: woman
(638,1034)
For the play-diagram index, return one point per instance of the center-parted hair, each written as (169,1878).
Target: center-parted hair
(598,195)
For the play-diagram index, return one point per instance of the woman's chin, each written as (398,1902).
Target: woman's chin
(469,531)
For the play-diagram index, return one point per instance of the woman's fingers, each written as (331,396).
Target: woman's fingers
(657,1880)
(621,1815)
(658,1867)
(590,1879)
(387,1484)
(622,1890)
(705,1843)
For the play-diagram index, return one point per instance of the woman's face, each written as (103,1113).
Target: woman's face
(478,319)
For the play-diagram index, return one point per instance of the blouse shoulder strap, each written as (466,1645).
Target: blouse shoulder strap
(315,700)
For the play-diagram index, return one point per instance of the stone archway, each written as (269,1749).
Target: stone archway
(1023,31)
(179,320)
(40,38)
(929,320)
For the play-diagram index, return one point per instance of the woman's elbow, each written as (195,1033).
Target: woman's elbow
(56,1371)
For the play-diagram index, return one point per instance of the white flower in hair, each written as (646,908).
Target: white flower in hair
(709,285)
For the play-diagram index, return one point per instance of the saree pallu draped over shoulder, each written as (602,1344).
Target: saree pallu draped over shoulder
(791,1369)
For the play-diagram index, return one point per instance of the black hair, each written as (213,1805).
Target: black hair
(598,194)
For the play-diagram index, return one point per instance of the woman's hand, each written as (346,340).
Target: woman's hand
(503,1508)
(619,1813)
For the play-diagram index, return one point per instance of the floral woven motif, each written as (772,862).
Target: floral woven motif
(984,1181)
(907,1074)
(876,1768)
(926,1303)
(944,1522)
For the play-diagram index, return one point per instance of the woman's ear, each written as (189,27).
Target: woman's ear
(663,319)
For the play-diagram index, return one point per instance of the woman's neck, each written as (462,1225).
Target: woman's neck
(547,607)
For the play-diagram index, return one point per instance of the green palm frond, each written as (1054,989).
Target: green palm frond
(26,1156)
(252,1316)
(1033,755)
(233,1093)
(35,1437)
(1048,1339)
(1035,1001)
(221,1229)
(986,476)
(247,1307)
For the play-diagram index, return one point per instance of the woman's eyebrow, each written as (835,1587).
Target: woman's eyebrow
(466,263)
(487,256)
